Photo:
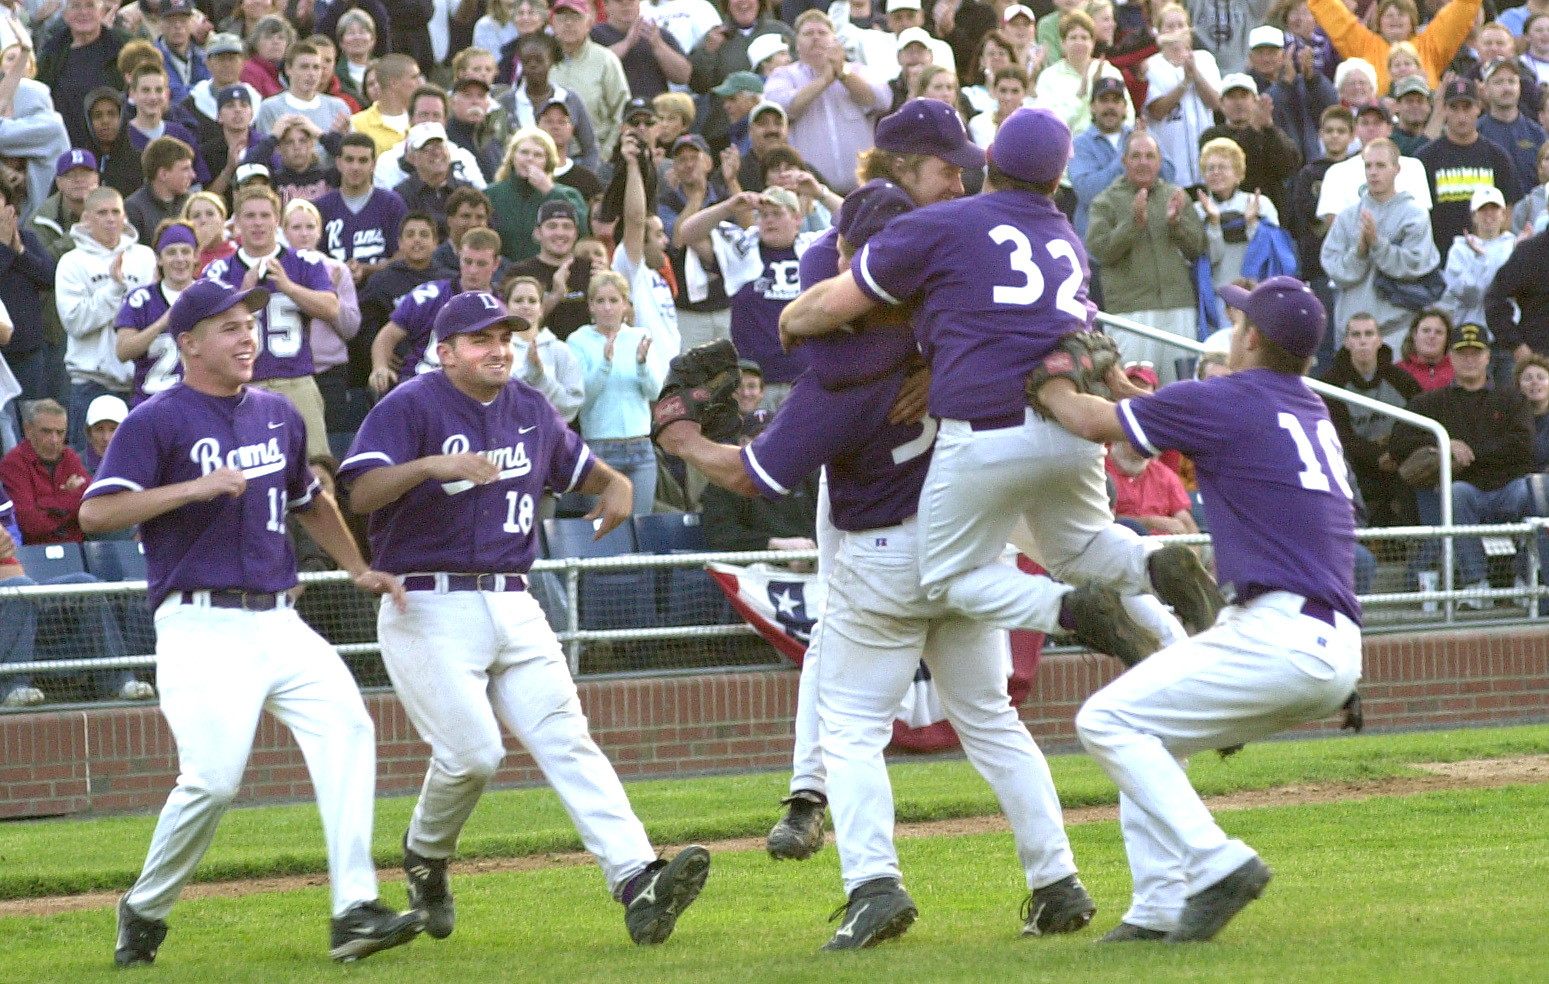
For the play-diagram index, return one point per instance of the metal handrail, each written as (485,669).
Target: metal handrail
(1443,439)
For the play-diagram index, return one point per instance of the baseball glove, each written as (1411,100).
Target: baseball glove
(701,386)
(1083,357)
(1422,469)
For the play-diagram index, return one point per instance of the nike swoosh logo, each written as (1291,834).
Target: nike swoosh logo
(523,430)
(848,929)
(276,426)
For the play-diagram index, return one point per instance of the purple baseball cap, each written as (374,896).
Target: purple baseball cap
(72,159)
(870,207)
(928,126)
(473,311)
(1284,310)
(1031,145)
(207,298)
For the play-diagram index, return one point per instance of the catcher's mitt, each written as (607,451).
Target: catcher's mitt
(701,386)
(1422,469)
(1083,357)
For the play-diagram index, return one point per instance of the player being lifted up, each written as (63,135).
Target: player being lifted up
(999,278)
(451,466)
(878,621)
(209,469)
(1288,649)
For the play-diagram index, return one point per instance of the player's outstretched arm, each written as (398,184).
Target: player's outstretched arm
(379,487)
(720,463)
(616,496)
(325,525)
(823,309)
(1084,415)
(106,513)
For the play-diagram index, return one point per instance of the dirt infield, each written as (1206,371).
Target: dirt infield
(1472,774)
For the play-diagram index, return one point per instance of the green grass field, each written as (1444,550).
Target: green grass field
(1433,888)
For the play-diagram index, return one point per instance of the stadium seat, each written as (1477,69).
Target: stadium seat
(684,595)
(43,561)
(115,560)
(623,599)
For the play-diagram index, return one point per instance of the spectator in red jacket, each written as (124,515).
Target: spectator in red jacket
(45,478)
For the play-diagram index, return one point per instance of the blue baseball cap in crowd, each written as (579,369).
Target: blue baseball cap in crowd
(928,126)
(1031,145)
(473,311)
(72,159)
(870,207)
(207,298)
(1284,310)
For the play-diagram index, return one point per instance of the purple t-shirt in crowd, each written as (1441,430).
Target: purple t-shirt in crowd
(370,235)
(286,333)
(226,543)
(999,278)
(875,469)
(460,527)
(1272,474)
(416,314)
(159,368)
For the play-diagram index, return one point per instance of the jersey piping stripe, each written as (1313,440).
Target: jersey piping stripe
(306,499)
(763,476)
(580,466)
(1135,428)
(124,483)
(366,456)
(871,283)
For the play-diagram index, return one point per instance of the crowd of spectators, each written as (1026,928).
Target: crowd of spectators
(638,176)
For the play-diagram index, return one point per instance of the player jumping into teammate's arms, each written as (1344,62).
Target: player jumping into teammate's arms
(451,465)
(209,469)
(999,279)
(1275,488)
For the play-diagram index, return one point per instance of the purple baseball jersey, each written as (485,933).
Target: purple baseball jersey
(416,314)
(999,278)
(286,351)
(370,235)
(1272,474)
(875,469)
(459,527)
(227,543)
(159,368)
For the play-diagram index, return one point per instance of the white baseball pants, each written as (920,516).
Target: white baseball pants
(217,669)
(1264,667)
(980,482)
(462,663)
(877,625)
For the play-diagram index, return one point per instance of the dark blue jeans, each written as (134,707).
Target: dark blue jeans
(1472,506)
(80,628)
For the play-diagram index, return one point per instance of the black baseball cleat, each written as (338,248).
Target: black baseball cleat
(658,895)
(429,892)
(1130,933)
(1098,619)
(1180,580)
(1063,907)
(877,910)
(138,938)
(799,834)
(371,926)
(1208,911)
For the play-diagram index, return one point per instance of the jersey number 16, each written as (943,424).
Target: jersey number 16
(1313,475)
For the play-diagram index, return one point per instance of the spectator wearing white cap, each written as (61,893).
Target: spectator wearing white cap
(103,416)
(223,57)
(768,52)
(433,182)
(914,55)
(1299,91)
(1459,163)
(1272,157)
(1475,256)
(427,105)
(904,15)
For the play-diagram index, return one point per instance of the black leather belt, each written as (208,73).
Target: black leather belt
(247,601)
(464,582)
(999,422)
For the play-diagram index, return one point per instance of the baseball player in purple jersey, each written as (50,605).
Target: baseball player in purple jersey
(998,279)
(299,290)
(878,621)
(142,321)
(1288,650)
(413,322)
(209,470)
(451,465)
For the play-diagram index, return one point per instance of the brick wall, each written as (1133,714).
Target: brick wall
(124,759)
